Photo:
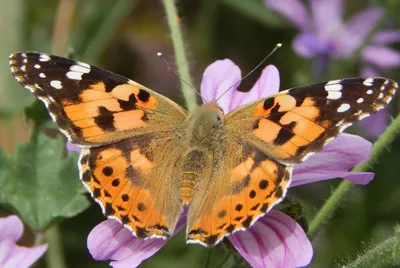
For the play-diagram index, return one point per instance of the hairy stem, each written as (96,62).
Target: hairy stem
(385,254)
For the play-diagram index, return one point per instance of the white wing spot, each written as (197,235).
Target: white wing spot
(368,82)
(85,65)
(386,82)
(37,66)
(56,84)
(23,55)
(76,71)
(42,75)
(333,87)
(380,95)
(333,82)
(23,68)
(334,95)
(25,61)
(44,57)
(360,100)
(370,91)
(343,108)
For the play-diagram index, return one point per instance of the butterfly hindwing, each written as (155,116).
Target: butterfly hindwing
(92,106)
(297,122)
(134,182)
(244,187)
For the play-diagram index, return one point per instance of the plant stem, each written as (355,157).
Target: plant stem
(104,33)
(62,26)
(334,200)
(382,255)
(180,56)
(55,253)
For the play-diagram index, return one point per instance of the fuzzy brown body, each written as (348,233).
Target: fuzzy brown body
(204,144)
(145,157)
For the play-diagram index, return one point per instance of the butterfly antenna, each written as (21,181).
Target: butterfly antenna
(160,55)
(255,68)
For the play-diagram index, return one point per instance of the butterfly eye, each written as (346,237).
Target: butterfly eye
(218,123)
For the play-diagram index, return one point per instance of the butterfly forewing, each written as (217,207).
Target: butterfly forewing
(128,130)
(296,123)
(90,105)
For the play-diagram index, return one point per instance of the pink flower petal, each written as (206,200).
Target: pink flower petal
(327,16)
(386,37)
(381,56)
(275,240)
(73,148)
(11,255)
(337,157)
(217,78)
(22,257)
(11,228)
(376,124)
(357,30)
(266,85)
(293,10)
(110,240)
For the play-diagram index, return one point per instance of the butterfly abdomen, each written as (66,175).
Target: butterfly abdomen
(194,167)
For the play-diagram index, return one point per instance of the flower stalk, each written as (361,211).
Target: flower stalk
(188,92)
(337,196)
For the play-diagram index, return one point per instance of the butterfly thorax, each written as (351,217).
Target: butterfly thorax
(203,141)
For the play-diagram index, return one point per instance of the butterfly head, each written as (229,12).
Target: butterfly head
(205,122)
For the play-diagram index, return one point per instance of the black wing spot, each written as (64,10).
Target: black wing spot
(222,213)
(86,176)
(268,103)
(141,207)
(247,221)
(115,182)
(125,197)
(238,207)
(108,171)
(263,184)
(125,219)
(96,192)
(143,95)
(109,210)
(129,104)
(252,194)
(105,119)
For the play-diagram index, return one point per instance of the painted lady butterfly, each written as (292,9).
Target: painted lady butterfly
(145,157)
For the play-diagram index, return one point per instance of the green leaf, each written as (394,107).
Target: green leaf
(40,183)
(37,113)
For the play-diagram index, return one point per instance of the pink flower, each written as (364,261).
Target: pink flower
(11,255)
(275,240)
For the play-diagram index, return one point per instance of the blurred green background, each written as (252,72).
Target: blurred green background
(124,36)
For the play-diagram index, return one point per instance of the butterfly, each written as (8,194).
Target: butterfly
(145,158)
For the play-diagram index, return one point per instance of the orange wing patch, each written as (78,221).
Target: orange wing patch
(121,179)
(254,187)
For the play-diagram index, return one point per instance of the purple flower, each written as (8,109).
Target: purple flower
(322,30)
(11,255)
(275,240)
